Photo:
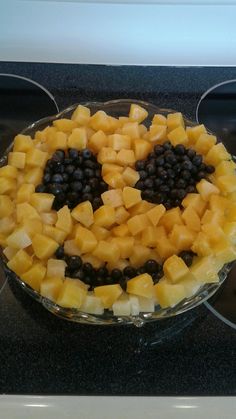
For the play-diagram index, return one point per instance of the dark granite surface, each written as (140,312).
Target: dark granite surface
(193,354)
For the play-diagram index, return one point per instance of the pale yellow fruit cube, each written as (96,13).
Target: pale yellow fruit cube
(81,115)
(50,287)
(100,121)
(121,230)
(164,247)
(131,129)
(71,248)
(7,225)
(159,119)
(140,255)
(131,196)
(7,185)
(119,142)
(225,167)
(125,245)
(97,141)
(169,295)
(195,200)
(34,176)
(44,246)
(25,211)
(9,172)
(17,159)
(157,133)
(65,125)
(100,233)
(191,219)
(137,224)
(137,113)
(115,180)
(92,305)
(141,285)
(24,192)
(64,219)
(55,233)
(149,236)
(83,213)
(107,251)
(85,240)
(56,267)
(204,270)
(204,143)
(141,148)
(206,189)
(108,294)
(71,294)
(178,136)
(126,157)
(93,260)
(226,183)
(216,154)
(58,141)
(113,198)
(121,215)
(105,216)
(195,132)
(171,218)
(19,239)
(111,167)
(22,143)
(78,139)
(107,155)
(230,231)
(42,202)
(175,268)
(34,276)
(174,120)
(130,176)
(6,206)
(155,214)
(20,263)
(9,252)
(32,226)
(49,218)
(36,158)
(141,207)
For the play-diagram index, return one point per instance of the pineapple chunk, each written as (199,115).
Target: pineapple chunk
(81,115)
(141,148)
(26,211)
(58,141)
(50,287)
(7,185)
(206,189)
(42,202)
(131,196)
(78,139)
(108,294)
(121,230)
(171,218)
(146,305)
(6,206)
(141,285)
(72,294)
(214,232)
(226,184)
(17,159)
(201,245)
(174,120)
(230,231)
(92,305)
(204,270)
(93,260)
(137,224)
(107,155)
(181,237)
(36,158)
(218,203)
(137,113)
(111,167)
(204,143)
(100,233)
(9,172)
(7,224)
(19,239)
(105,216)
(191,219)
(195,132)
(64,219)
(140,255)
(115,180)
(216,154)
(44,247)
(159,119)
(213,217)
(174,268)
(56,267)
(20,263)
(107,251)
(149,237)
(83,213)
(191,286)
(224,252)
(100,121)
(97,141)
(225,167)
(64,124)
(131,129)
(71,248)
(125,245)
(55,233)
(33,176)
(155,214)
(34,276)
(141,207)
(195,201)
(24,193)
(164,247)
(169,295)
(113,197)
(9,252)
(32,226)
(121,215)
(231,212)
(49,218)
(125,157)
(157,133)
(122,307)
(85,240)
(130,176)
(22,143)
(178,136)
(119,142)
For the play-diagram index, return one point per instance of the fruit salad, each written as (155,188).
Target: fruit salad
(102,213)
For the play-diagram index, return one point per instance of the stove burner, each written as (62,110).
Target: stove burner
(22,101)
(217,110)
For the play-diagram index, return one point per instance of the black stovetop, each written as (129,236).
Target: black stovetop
(192,354)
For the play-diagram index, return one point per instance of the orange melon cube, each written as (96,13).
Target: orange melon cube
(195,132)
(64,219)
(204,143)
(191,219)
(71,294)
(130,176)
(164,247)
(17,159)
(140,254)
(121,215)
(55,233)
(64,124)
(206,189)
(155,214)
(104,216)
(178,136)
(195,201)
(108,294)
(20,262)
(83,213)
(34,276)
(137,224)
(121,230)
(78,139)
(9,172)
(131,196)
(44,246)
(157,133)
(141,148)
(181,237)
(141,285)
(113,197)
(100,121)
(107,251)
(85,240)
(171,218)
(119,142)
(137,113)
(50,287)
(175,268)
(169,295)
(81,115)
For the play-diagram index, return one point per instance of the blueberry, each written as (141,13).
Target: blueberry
(170,158)
(116,274)
(177,168)
(160,161)
(76,186)
(67,161)
(164,188)
(201,175)
(210,169)
(155,278)
(187,257)
(79,161)
(65,177)
(149,183)
(123,283)
(171,173)
(181,183)
(88,269)
(55,188)
(97,203)
(78,174)
(151,155)
(98,173)
(102,186)
(197,160)
(158,182)
(87,189)
(79,274)
(40,188)
(60,252)
(167,145)
(140,165)
(174,193)
(72,197)
(57,178)
(130,272)
(73,153)
(190,189)
(87,197)
(187,165)
(143,174)
(86,153)
(163,174)
(168,205)
(93,183)
(61,197)
(180,149)
(140,184)
(141,270)
(181,194)
(194,170)
(102,272)
(203,167)
(147,194)
(151,169)
(158,149)
(47,178)
(74,262)
(59,167)
(70,169)
(90,164)
(159,198)
(59,155)
(170,182)
(151,266)
(191,153)
(185,174)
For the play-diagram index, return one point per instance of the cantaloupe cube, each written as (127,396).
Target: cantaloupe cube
(226,183)
(97,141)
(204,270)
(7,185)
(83,213)
(26,211)
(64,219)
(64,124)
(174,120)
(24,192)
(7,225)
(216,154)
(42,202)
(119,142)
(50,287)
(121,215)
(100,233)
(105,216)
(213,217)
(178,136)
(22,143)
(140,255)
(195,200)
(204,143)
(195,132)
(137,113)
(19,239)
(111,167)
(107,155)
(181,237)
(206,189)
(17,159)
(169,295)
(121,230)
(125,245)
(71,294)
(55,233)
(108,294)
(225,167)
(92,305)
(155,214)
(100,121)
(142,207)
(9,172)
(20,263)
(191,219)
(49,218)
(32,226)
(9,252)
(130,176)
(58,141)
(137,224)
(175,268)
(141,285)
(56,268)
(78,139)
(81,115)
(164,247)
(131,196)
(6,206)
(131,129)
(85,239)
(71,248)
(44,246)
(157,134)
(230,231)
(141,148)
(171,218)
(107,251)
(113,198)
(149,236)
(126,157)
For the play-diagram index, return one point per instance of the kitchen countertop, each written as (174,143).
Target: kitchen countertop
(193,354)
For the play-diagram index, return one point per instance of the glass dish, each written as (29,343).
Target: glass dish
(113,108)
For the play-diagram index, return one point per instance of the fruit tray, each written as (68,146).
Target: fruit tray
(154,127)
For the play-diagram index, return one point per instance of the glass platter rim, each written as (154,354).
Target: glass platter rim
(203,293)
